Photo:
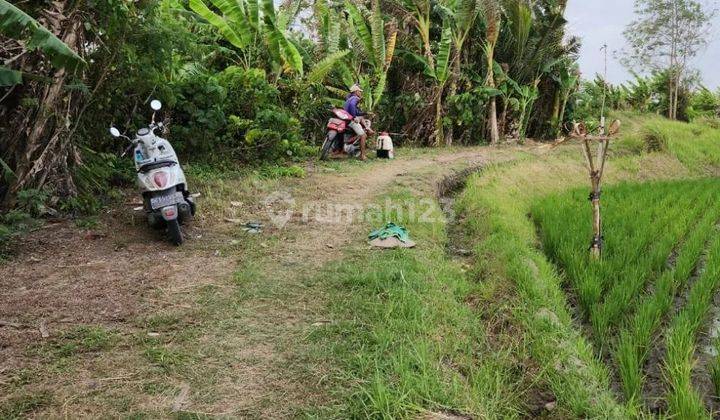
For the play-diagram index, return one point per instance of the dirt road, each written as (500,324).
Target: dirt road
(113,320)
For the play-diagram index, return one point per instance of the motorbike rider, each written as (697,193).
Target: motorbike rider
(351,107)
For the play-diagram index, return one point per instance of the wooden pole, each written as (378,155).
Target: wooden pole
(596,170)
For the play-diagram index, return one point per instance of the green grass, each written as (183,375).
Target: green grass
(406,338)
(695,145)
(715,368)
(496,212)
(83,339)
(22,407)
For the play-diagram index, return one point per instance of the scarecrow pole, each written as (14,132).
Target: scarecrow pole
(596,165)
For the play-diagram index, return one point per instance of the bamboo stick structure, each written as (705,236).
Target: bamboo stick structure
(596,170)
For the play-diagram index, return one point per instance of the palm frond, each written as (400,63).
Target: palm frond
(287,13)
(333,35)
(340,93)
(390,49)
(346,74)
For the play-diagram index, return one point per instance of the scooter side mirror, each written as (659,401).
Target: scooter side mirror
(156,105)
(115,132)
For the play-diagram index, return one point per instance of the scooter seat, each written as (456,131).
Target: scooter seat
(156,165)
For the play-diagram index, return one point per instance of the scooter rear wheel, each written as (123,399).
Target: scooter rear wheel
(174,232)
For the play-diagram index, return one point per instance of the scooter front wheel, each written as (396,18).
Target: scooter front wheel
(327,145)
(174,232)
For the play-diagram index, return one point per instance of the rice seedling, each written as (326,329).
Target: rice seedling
(715,368)
(643,225)
(634,340)
(656,235)
(683,399)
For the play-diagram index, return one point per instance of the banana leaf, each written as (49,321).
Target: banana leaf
(16,24)
(325,66)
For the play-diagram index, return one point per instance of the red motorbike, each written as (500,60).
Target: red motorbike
(340,136)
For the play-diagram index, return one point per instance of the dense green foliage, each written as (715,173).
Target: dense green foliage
(251,82)
(645,94)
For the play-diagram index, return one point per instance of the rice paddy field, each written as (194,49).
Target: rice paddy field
(634,334)
(652,289)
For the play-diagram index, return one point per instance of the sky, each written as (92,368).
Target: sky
(598,22)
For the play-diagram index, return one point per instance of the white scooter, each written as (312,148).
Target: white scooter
(166,199)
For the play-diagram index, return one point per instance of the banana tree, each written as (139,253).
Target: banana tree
(243,23)
(567,77)
(16,24)
(418,12)
(507,88)
(527,95)
(378,51)
(461,16)
(458,18)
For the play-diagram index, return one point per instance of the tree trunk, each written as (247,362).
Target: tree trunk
(453,90)
(494,134)
(438,135)
(561,117)
(555,118)
(596,170)
(503,120)
(47,155)
(490,82)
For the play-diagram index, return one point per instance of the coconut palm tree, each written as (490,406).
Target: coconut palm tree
(492,32)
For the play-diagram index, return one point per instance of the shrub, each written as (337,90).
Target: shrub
(198,115)
(709,121)
(655,139)
(247,91)
(32,201)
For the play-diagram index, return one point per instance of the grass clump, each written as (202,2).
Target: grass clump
(23,406)
(496,211)
(655,138)
(405,337)
(276,172)
(83,339)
